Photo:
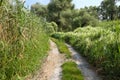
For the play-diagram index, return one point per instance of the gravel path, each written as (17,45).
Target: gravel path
(85,68)
(51,69)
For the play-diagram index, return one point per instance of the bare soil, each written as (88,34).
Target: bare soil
(51,68)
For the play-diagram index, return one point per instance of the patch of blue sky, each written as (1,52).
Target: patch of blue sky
(78,3)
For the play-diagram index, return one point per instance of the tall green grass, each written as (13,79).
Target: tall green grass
(23,42)
(101,46)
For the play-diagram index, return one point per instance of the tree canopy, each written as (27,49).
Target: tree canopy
(63,13)
(39,9)
(58,10)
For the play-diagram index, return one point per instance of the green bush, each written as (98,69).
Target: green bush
(51,27)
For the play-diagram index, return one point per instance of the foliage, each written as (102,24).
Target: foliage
(92,11)
(67,18)
(23,42)
(55,26)
(86,19)
(39,9)
(57,9)
(62,48)
(100,45)
(50,27)
(108,10)
(83,19)
(71,72)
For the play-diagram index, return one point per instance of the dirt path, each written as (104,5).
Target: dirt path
(51,69)
(85,68)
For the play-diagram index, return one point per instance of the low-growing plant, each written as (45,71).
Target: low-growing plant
(71,72)
(62,48)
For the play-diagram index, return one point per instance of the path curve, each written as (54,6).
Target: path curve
(83,65)
(51,69)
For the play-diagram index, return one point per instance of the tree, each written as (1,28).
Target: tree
(92,10)
(39,10)
(56,9)
(66,20)
(1,2)
(84,17)
(118,12)
(108,9)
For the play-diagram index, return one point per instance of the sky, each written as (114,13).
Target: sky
(83,3)
(78,3)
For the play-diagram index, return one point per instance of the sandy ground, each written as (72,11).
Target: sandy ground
(51,69)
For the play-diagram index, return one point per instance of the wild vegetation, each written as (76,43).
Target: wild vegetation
(93,31)
(62,47)
(99,45)
(71,72)
(23,42)
(64,14)
(68,67)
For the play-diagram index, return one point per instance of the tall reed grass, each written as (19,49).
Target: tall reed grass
(23,43)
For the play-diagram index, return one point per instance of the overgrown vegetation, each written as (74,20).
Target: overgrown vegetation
(23,42)
(71,72)
(100,45)
(64,14)
(50,27)
(23,39)
(62,47)
(98,39)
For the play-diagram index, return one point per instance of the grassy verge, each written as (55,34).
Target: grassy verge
(71,72)
(62,47)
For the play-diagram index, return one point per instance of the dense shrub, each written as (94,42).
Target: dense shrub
(51,27)
(101,47)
